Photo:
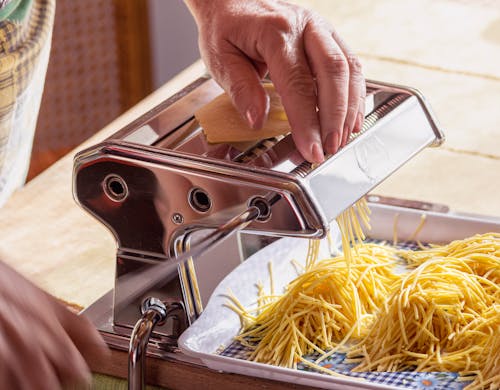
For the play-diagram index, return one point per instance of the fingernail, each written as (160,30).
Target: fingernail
(317,153)
(359,122)
(345,135)
(332,142)
(250,119)
(250,114)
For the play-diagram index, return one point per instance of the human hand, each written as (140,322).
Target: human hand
(318,78)
(42,344)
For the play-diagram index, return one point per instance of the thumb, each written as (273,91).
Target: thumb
(242,82)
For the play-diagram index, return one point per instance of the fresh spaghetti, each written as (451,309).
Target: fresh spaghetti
(438,318)
(480,252)
(442,315)
(489,376)
(320,308)
(333,300)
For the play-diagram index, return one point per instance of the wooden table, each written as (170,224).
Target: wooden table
(45,236)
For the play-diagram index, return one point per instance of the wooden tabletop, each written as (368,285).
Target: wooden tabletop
(48,238)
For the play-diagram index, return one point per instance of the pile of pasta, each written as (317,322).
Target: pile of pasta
(442,315)
(481,252)
(489,376)
(329,302)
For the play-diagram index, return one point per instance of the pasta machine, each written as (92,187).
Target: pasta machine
(168,197)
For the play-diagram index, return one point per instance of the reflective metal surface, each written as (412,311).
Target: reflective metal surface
(154,311)
(157,184)
(441,226)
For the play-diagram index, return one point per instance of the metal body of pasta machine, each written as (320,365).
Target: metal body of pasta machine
(168,196)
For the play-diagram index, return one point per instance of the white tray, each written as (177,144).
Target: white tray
(217,326)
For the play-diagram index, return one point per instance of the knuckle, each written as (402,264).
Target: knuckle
(352,110)
(337,66)
(237,89)
(309,16)
(280,28)
(289,18)
(298,81)
(315,22)
(339,112)
(276,34)
(355,66)
(279,23)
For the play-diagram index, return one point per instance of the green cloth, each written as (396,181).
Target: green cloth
(16,10)
(105,382)
(8,9)
(21,11)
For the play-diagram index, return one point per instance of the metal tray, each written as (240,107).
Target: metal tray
(213,332)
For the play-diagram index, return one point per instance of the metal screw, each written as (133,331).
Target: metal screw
(177,218)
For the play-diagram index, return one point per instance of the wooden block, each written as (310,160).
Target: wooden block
(222,123)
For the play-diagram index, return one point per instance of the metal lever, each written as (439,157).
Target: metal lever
(236,223)
(154,311)
(139,283)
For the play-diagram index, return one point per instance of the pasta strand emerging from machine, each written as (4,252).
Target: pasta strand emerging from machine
(171,198)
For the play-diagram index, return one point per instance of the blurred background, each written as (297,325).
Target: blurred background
(108,54)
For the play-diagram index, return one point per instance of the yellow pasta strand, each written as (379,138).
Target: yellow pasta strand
(443,315)
(395,230)
(489,376)
(317,310)
(481,252)
(438,318)
(414,236)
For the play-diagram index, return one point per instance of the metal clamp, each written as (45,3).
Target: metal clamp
(154,312)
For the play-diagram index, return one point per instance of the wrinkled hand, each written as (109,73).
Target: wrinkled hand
(42,344)
(318,78)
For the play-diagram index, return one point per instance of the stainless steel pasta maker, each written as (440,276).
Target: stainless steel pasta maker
(168,196)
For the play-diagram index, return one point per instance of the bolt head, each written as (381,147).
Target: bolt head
(177,218)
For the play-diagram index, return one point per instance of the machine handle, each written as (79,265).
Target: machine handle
(154,312)
(138,283)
